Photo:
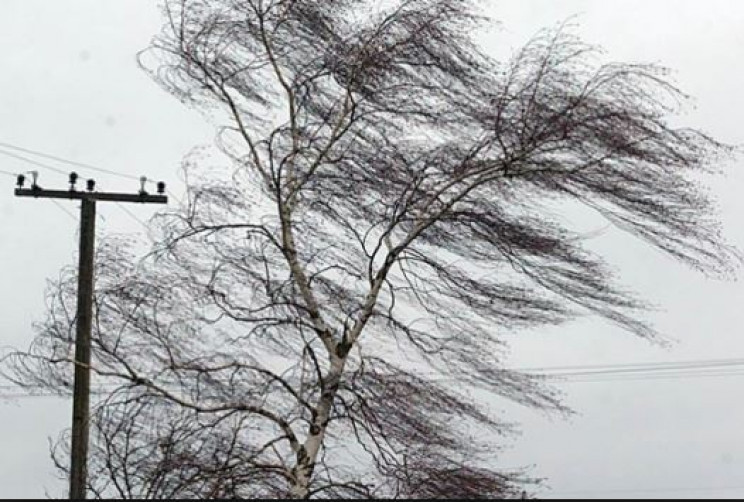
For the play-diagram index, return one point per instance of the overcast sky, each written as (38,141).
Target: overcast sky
(70,86)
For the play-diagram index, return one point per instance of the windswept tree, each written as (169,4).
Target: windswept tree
(321,315)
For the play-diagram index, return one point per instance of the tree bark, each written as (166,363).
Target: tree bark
(308,453)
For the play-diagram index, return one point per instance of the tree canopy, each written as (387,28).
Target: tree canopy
(316,317)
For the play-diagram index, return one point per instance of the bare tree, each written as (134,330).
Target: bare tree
(317,318)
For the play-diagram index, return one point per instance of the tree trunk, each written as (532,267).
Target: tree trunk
(308,452)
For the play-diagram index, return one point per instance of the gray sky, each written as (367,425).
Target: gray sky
(69,85)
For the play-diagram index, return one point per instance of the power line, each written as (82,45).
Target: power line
(68,162)
(655,364)
(645,378)
(63,208)
(22,395)
(651,371)
(632,371)
(133,216)
(8,173)
(694,369)
(30,161)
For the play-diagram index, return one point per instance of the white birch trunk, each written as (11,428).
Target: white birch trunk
(308,452)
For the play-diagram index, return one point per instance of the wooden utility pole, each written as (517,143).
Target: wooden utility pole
(81,392)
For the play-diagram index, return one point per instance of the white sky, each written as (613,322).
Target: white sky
(69,85)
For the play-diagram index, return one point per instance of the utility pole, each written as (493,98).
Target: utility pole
(81,392)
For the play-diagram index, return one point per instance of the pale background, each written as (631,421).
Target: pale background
(69,86)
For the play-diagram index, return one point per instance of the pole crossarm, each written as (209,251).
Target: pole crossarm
(81,195)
